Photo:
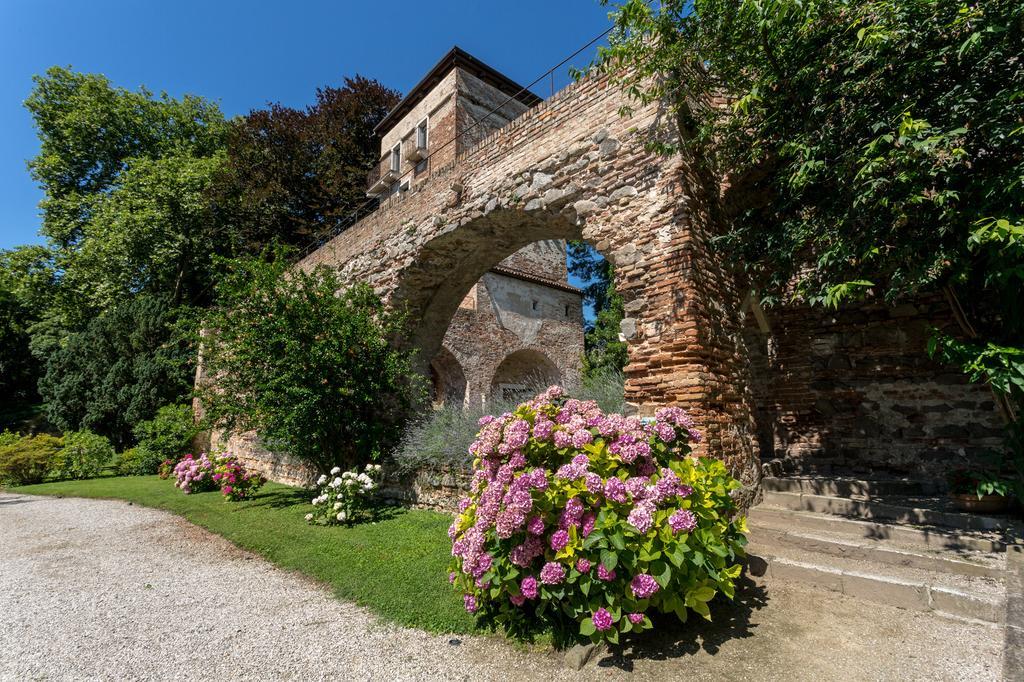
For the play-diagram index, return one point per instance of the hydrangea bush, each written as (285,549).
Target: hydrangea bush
(235,482)
(587,522)
(166,468)
(200,474)
(195,474)
(344,497)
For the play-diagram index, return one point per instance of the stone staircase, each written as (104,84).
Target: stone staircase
(891,541)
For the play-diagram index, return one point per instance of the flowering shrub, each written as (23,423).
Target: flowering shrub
(195,474)
(235,482)
(166,468)
(342,498)
(589,521)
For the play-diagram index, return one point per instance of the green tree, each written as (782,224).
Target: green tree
(871,149)
(124,175)
(603,350)
(294,175)
(315,368)
(125,364)
(25,288)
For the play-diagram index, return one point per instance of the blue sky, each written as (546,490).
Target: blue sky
(245,54)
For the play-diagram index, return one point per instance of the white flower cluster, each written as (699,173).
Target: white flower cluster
(342,497)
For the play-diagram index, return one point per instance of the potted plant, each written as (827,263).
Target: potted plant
(980,492)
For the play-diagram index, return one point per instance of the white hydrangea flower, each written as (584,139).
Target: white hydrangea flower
(321,480)
(337,506)
(341,516)
(336,482)
(335,471)
(309,517)
(349,482)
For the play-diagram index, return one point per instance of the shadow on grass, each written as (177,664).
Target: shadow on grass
(672,639)
(279,498)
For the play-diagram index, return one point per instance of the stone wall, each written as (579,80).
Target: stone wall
(482,109)
(573,168)
(438,490)
(254,456)
(854,390)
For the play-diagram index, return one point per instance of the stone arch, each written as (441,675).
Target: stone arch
(448,379)
(573,167)
(523,374)
(431,287)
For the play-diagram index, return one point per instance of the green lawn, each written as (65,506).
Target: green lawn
(397,566)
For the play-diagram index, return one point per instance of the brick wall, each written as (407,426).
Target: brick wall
(854,389)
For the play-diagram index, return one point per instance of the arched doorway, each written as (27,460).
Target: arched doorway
(523,374)
(447,379)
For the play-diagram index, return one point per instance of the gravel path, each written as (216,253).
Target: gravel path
(105,590)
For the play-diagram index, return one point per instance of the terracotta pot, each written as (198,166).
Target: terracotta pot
(988,504)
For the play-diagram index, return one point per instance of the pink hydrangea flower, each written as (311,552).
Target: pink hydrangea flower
(581,438)
(552,573)
(517,599)
(643,585)
(469,601)
(635,618)
(528,587)
(542,428)
(535,525)
(641,517)
(682,521)
(604,574)
(559,539)
(587,526)
(583,565)
(602,619)
(615,490)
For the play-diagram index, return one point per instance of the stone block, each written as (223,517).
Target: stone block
(883,590)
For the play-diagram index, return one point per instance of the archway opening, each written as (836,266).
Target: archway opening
(523,374)
(447,380)
(524,302)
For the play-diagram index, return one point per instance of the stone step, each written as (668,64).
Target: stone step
(934,537)
(957,562)
(915,510)
(848,487)
(959,596)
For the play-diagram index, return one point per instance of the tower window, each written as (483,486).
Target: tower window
(421,135)
(396,157)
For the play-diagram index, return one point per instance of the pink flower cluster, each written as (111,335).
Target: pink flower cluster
(194,474)
(543,474)
(235,482)
(198,474)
